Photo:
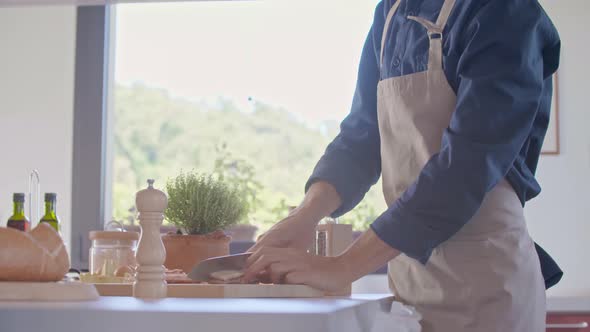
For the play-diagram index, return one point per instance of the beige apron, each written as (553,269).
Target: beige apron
(487,277)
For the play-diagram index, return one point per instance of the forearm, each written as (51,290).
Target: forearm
(352,161)
(320,201)
(365,255)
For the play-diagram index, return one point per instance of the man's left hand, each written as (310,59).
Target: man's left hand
(294,266)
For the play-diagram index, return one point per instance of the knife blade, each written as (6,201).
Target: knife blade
(203,270)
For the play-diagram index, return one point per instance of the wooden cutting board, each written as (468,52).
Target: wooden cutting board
(219,291)
(47,291)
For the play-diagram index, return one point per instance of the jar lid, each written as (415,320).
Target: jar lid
(110,235)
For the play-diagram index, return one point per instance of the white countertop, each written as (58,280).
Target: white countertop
(129,314)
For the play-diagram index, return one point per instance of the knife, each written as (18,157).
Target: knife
(203,270)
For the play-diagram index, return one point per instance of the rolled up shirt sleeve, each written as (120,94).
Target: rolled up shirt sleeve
(352,162)
(502,78)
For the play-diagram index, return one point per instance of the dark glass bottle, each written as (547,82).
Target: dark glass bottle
(50,217)
(18,220)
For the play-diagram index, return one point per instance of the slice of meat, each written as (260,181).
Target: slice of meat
(224,282)
(226,275)
(182,281)
(178,276)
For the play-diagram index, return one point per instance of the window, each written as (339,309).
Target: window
(258,86)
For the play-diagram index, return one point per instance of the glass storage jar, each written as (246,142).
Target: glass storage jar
(113,253)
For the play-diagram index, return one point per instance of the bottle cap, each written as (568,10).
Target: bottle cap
(18,197)
(50,196)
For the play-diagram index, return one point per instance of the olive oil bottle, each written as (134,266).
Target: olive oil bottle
(50,217)
(18,220)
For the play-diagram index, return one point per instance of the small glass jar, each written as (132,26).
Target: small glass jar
(113,253)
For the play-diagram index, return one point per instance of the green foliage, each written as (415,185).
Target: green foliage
(200,204)
(264,151)
(361,216)
(242,176)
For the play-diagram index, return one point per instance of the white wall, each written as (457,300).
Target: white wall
(36,103)
(559,219)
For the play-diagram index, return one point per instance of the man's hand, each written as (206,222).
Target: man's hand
(298,229)
(280,255)
(293,266)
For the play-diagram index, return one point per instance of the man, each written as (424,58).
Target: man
(451,108)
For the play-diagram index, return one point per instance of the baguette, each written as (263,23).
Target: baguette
(38,255)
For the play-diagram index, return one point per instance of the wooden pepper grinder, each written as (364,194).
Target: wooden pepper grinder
(150,279)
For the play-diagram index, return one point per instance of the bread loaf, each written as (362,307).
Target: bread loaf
(38,255)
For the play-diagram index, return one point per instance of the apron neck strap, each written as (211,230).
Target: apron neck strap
(435,34)
(444,14)
(435,31)
(386,29)
(441,21)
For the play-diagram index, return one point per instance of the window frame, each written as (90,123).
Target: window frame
(93,83)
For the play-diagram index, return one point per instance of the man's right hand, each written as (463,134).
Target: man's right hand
(298,229)
(295,231)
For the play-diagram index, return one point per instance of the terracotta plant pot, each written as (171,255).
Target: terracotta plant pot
(184,251)
(242,232)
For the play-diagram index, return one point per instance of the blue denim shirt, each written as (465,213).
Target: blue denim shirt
(498,56)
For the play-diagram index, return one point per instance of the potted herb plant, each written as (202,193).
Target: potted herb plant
(200,207)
